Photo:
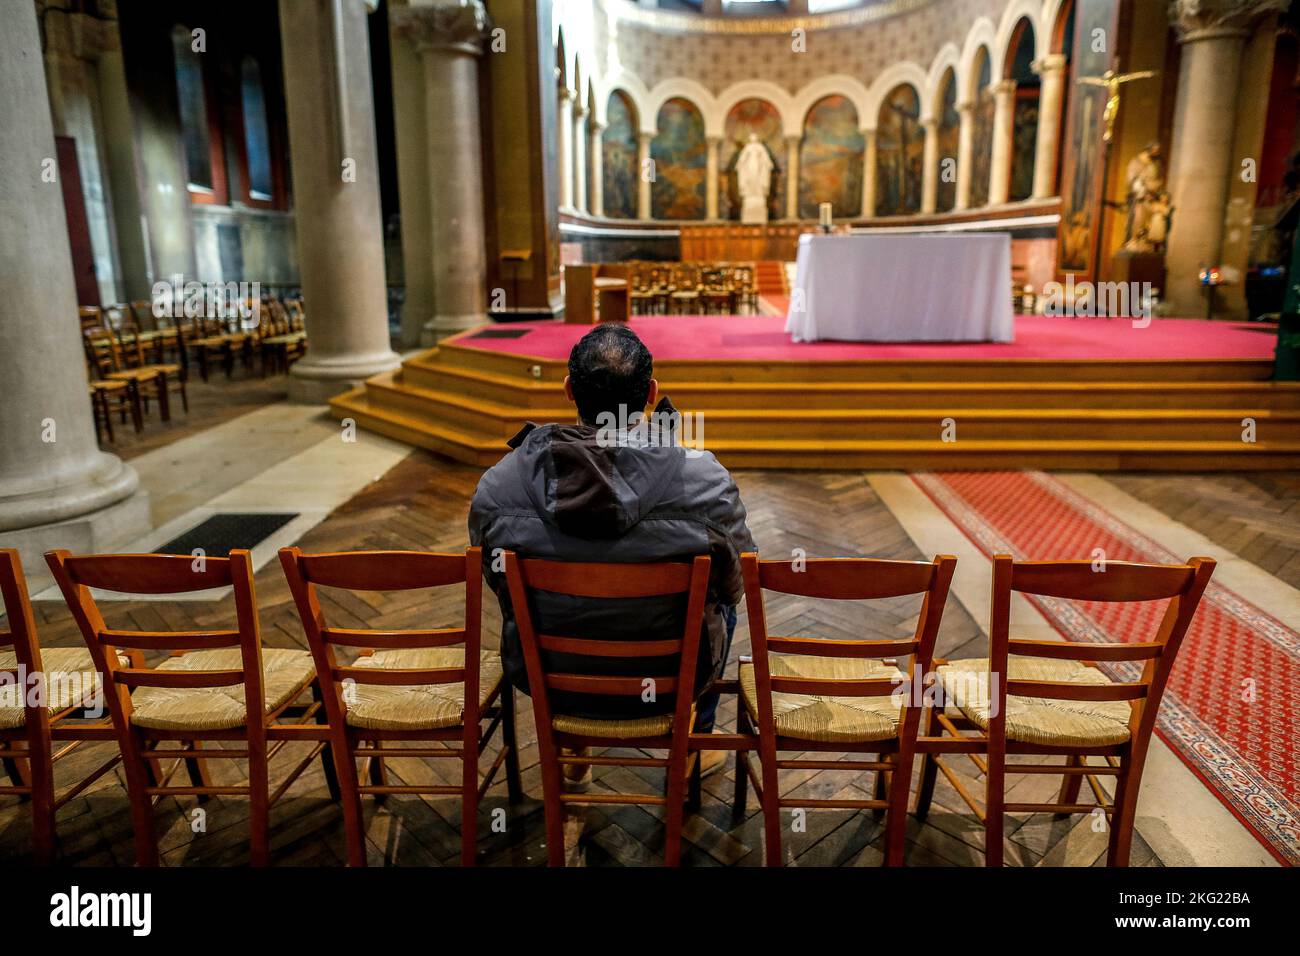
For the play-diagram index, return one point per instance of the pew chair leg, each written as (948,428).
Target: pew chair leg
(327,763)
(1125,811)
(510,740)
(140,774)
(771,805)
(896,818)
(259,808)
(995,798)
(469,797)
(354,824)
(675,810)
(879,789)
(1070,782)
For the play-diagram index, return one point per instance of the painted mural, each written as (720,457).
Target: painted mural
(1024,139)
(900,152)
(948,133)
(830,159)
(760,118)
(618,157)
(1081,173)
(981,137)
(680,157)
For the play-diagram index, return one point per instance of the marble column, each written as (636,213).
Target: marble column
(564,122)
(57,489)
(1051,71)
(930,168)
(792,177)
(449,38)
(580,157)
(1004,112)
(711,183)
(965,141)
(1213,34)
(336,197)
(644,208)
(868,173)
(597,130)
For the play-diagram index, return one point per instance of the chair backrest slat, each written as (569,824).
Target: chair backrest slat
(1065,650)
(388,639)
(153,677)
(1064,690)
(382,570)
(1085,581)
(149,573)
(819,647)
(832,687)
(582,579)
(399,676)
(595,648)
(169,640)
(847,579)
(609,686)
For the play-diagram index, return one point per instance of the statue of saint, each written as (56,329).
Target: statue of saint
(753,180)
(1148,202)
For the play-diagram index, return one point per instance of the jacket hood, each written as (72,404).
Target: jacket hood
(599,482)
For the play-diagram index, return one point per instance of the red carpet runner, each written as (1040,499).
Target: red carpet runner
(1244,750)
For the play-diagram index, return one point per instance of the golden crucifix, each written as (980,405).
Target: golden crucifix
(1111,81)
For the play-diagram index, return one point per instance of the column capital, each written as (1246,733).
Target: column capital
(1003,87)
(930,124)
(458,28)
(713,140)
(1051,63)
(579,111)
(1195,20)
(966,107)
(566,95)
(794,139)
(594,126)
(643,137)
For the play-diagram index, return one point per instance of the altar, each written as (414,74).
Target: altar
(902,288)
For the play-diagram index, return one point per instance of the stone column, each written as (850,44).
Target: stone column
(565,124)
(643,205)
(930,168)
(868,173)
(57,489)
(1004,97)
(711,183)
(336,197)
(449,38)
(1213,33)
(792,177)
(965,138)
(580,157)
(597,205)
(1051,72)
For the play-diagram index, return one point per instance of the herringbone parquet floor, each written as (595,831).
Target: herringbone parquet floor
(422,504)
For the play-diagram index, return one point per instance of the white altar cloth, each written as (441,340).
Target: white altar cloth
(902,288)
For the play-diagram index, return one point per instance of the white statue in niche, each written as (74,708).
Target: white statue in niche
(753,180)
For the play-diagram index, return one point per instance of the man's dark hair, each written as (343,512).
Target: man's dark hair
(610,367)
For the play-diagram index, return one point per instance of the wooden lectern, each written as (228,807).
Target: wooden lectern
(596,293)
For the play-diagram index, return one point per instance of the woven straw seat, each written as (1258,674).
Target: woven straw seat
(289,338)
(70,679)
(1036,720)
(614,729)
(418,706)
(284,674)
(827,719)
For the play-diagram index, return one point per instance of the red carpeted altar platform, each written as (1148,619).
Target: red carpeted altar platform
(1088,394)
(761,338)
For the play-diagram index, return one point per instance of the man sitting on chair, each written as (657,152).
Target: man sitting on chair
(604,490)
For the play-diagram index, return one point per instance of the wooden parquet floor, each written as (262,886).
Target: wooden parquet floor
(422,504)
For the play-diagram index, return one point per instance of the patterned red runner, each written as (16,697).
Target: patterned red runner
(1230,711)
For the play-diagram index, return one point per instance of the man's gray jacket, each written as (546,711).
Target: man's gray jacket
(573,493)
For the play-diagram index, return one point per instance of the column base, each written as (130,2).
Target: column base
(98,532)
(443,326)
(315,383)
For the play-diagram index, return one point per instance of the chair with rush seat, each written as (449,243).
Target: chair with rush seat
(216,686)
(1053,698)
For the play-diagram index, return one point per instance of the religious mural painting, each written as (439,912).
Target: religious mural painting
(900,153)
(618,157)
(760,118)
(982,134)
(1082,172)
(830,159)
(680,154)
(1024,120)
(948,132)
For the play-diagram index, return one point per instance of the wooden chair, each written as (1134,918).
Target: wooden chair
(90,317)
(193,696)
(685,296)
(675,664)
(108,360)
(40,706)
(1050,698)
(407,685)
(153,378)
(101,392)
(160,334)
(99,347)
(837,696)
(281,344)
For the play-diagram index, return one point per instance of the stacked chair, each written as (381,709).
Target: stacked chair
(361,696)
(691,288)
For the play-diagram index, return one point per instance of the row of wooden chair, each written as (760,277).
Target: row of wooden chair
(692,288)
(798,695)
